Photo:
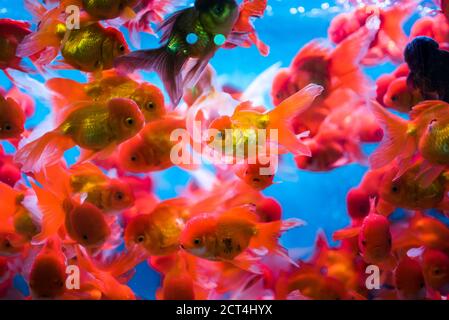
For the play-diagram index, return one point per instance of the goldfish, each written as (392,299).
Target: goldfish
(248,10)
(84,223)
(409,279)
(397,188)
(15,216)
(109,195)
(12,33)
(113,122)
(151,149)
(357,203)
(435,27)
(160,230)
(12,118)
(107,279)
(226,236)
(423,135)
(208,22)
(9,171)
(47,275)
(427,64)
(254,175)
(435,266)
(307,283)
(90,48)
(178,284)
(147,96)
(104,10)
(245,122)
(374,238)
(399,97)
(423,230)
(390,38)
(320,63)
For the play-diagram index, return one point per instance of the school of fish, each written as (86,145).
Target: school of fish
(220,237)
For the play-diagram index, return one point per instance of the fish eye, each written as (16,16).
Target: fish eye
(129,121)
(7,127)
(85,237)
(7,244)
(150,105)
(218,10)
(436,271)
(119,195)
(394,188)
(133,158)
(97,64)
(394,98)
(197,241)
(256,180)
(364,243)
(140,238)
(422,285)
(121,48)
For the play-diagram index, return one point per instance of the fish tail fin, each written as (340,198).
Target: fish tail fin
(346,233)
(282,114)
(268,234)
(168,66)
(396,141)
(53,214)
(37,42)
(44,151)
(65,91)
(346,57)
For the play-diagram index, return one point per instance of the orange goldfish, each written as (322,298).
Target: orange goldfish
(160,230)
(423,230)
(226,236)
(151,149)
(147,96)
(409,279)
(245,121)
(97,127)
(109,195)
(406,192)
(178,284)
(9,171)
(357,203)
(308,283)
(109,279)
(83,222)
(424,134)
(400,97)
(12,119)
(253,175)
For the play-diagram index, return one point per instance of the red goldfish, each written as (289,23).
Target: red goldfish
(12,119)
(12,32)
(400,97)
(409,279)
(374,238)
(436,270)
(390,39)
(48,276)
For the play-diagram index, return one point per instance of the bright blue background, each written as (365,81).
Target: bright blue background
(318,198)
